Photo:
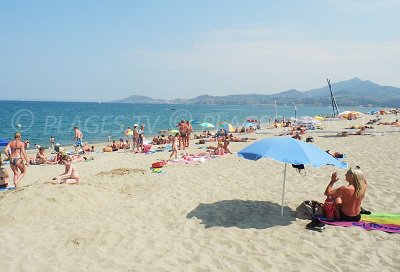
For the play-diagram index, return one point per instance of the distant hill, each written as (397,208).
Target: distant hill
(140,99)
(352,92)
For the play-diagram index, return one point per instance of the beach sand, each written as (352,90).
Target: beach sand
(220,215)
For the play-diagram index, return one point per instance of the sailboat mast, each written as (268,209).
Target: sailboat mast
(276,111)
(333,100)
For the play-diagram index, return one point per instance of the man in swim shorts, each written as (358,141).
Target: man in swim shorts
(78,138)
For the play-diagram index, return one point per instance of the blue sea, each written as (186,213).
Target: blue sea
(38,121)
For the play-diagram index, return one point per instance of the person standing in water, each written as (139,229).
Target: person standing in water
(15,151)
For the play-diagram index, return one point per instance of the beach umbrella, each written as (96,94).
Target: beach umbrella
(289,150)
(319,118)
(163,131)
(174,131)
(206,125)
(3,142)
(227,127)
(249,124)
(307,121)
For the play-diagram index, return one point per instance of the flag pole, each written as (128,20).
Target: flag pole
(283,190)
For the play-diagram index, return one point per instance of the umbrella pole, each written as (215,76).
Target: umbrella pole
(283,190)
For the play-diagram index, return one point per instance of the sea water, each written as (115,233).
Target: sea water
(38,121)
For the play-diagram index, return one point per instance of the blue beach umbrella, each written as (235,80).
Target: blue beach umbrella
(289,150)
(227,127)
(3,142)
(207,125)
(249,124)
(194,122)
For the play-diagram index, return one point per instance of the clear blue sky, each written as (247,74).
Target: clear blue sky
(105,50)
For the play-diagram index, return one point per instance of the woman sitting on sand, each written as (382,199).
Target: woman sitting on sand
(219,150)
(114,146)
(226,145)
(348,198)
(70,176)
(3,175)
(41,158)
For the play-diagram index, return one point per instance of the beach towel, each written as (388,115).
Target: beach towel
(387,222)
(7,188)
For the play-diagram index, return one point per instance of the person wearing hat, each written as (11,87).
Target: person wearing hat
(135,138)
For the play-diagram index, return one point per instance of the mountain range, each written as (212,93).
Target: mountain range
(352,92)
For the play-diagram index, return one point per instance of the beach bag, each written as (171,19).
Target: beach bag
(309,208)
(158,164)
(107,149)
(309,139)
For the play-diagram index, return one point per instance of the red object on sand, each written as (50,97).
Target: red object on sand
(329,208)
(158,164)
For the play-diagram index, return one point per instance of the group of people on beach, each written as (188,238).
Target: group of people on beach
(17,157)
(134,138)
(347,198)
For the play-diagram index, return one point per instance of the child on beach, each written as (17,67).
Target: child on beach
(70,176)
(174,146)
(52,142)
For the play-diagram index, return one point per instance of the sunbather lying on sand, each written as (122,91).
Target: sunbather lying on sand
(335,154)
(345,133)
(239,139)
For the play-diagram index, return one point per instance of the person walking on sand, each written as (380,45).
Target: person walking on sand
(78,135)
(70,175)
(174,142)
(15,151)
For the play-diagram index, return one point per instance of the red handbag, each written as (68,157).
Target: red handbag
(158,164)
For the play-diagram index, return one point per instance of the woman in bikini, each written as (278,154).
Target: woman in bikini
(348,198)
(70,176)
(15,151)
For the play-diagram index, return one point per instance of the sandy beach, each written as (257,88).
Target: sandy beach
(219,215)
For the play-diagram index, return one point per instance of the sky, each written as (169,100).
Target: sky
(97,50)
